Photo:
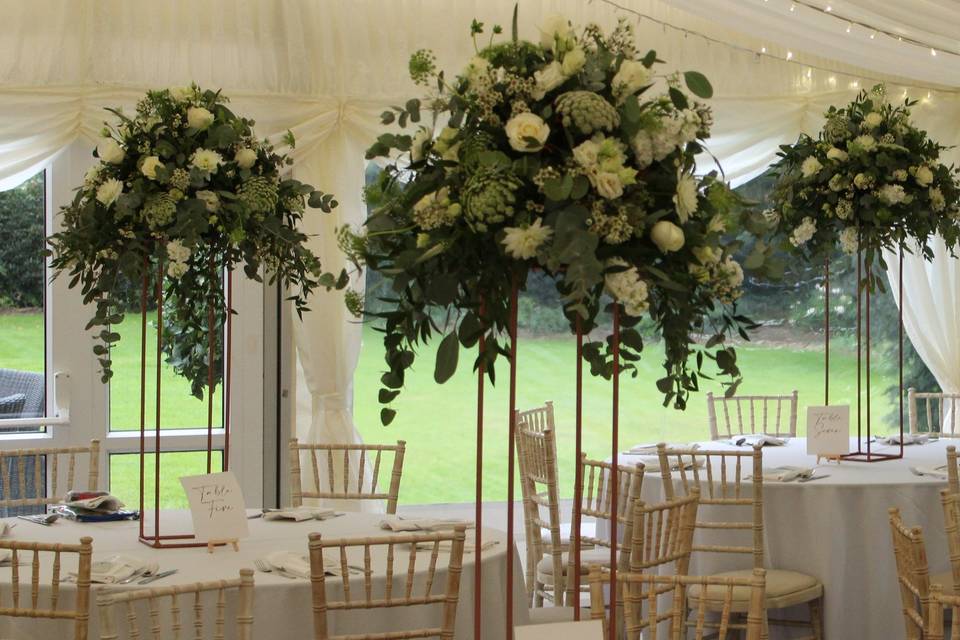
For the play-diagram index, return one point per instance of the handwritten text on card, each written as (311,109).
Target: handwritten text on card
(828,430)
(216,506)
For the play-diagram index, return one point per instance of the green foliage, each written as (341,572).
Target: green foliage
(21,252)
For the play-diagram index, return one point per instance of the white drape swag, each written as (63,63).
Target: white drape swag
(325,70)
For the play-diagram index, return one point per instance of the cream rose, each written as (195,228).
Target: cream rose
(685,199)
(574,61)
(836,154)
(608,185)
(547,79)
(109,151)
(210,200)
(556,33)
(527,132)
(923,176)
(149,166)
(631,77)
(109,191)
(587,154)
(667,236)
(245,158)
(199,118)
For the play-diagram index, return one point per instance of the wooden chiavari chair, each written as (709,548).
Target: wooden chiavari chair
(18,606)
(951,518)
(397,556)
(710,472)
(47,482)
(913,574)
(939,409)
(641,594)
(352,485)
(108,601)
(940,602)
(597,503)
(537,455)
(743,415)
(953,477)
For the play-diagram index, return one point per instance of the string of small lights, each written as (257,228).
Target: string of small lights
(789,56)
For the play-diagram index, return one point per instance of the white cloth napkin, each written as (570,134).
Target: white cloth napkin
(396,523)
(752,439)
(652,463)
(6,529)
(299,514)
(298,564)
(469,545)
(908,438)
(116,568)
(933,472)
(652,448)
(786,474)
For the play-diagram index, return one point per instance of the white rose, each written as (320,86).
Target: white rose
(245,158)
(872,120)
(574,61)
(608,185)
(109,191)
(524,127)
(420,139)
(206,160)
(548,78)
(667,236)
(631,77)
(836,154)
(685,200)
(109,151)
(810,167)
(891,193)
(177,251)
(556,33)
(866,142)
(708,255)
(149,167)
(199,118)
(181,94)
(627,286)
(586,154)
(210,199)
(924,176)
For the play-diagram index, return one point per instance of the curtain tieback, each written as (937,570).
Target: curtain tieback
(329,402)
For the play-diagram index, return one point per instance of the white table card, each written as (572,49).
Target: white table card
(216,506)
(583,630)
(828,430)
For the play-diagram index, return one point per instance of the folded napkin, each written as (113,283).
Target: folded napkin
(652,463)
(908,438)
(652,448)
(787,474)
(117,568)
(6,529)
(469,545)
(100,501)
(396,523)
(933,472)
(298,564)
(299,514)
(753,439)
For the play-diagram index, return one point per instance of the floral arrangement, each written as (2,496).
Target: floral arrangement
(183,184)
(570,155)
(870,181)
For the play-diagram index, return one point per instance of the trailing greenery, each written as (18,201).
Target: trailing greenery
(184,186)
(870,181)
(571,156)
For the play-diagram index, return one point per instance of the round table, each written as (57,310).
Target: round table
(282,606)
(837,529)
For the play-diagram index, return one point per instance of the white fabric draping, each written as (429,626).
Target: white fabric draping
(326,69)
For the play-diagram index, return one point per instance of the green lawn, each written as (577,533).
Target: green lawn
(438,422)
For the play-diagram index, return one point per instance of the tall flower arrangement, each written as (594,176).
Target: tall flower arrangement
(572,155)
(871,180)
(184,182)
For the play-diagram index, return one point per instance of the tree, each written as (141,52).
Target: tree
(21,252)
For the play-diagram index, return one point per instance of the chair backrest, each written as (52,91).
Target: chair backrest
(37,477)
(913,574)
(739,415)
(31,385)
(933,413)
(953,477)
(940,602)
(719,477)
(951,518)
(663,533)
(20,605)
(108,601)
(351,483)
(396,547)
(597,502)
(641,596)
(537,456)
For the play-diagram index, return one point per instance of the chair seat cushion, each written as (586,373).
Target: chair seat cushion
(600,555)
(784,589)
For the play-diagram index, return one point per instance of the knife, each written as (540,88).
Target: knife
(157,576)
(812,478)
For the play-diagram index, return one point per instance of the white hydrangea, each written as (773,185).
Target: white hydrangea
(628,287)
(865,142)
(900,175)
(177,251)
(803,232)
(848,241)
(522,243)
(891,193)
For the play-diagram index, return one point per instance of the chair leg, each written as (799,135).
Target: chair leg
(765,631)
(816,617)
(538,588)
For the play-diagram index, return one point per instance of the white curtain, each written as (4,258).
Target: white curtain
(326,70)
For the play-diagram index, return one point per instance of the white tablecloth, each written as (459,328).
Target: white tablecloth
(837,529)
(281,606)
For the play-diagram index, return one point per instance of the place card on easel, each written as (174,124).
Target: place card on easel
(828,431)
(217,507)
(583,630)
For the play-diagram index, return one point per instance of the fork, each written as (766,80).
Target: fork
(137,574)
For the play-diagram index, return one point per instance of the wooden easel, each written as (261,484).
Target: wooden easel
(234,542)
